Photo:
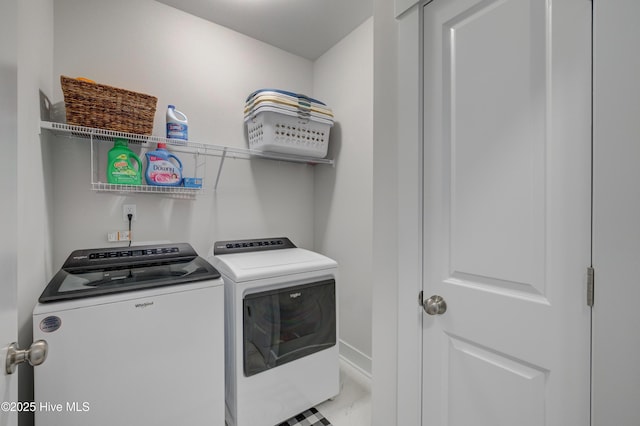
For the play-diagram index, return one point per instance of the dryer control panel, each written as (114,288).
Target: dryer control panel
(259,244)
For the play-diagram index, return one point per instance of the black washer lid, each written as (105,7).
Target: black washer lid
(95,272)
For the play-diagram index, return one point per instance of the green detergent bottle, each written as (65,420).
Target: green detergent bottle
(120,167)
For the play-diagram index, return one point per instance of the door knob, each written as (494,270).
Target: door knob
(35,355)
(435,305)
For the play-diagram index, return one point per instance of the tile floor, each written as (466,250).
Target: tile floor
(352,407)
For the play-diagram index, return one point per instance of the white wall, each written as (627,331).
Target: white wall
(35,58)
(616,215)
(205,70)
(343,78)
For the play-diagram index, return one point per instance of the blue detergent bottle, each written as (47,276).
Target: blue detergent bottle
(163,168)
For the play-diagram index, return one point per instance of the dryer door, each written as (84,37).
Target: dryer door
(286,324)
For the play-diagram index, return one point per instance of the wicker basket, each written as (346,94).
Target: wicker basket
(106,107)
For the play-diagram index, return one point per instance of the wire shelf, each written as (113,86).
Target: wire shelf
(188,146)
(173,191)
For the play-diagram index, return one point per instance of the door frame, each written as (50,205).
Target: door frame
(410,214)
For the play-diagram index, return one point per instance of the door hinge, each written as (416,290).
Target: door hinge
(590,285)
(420,297)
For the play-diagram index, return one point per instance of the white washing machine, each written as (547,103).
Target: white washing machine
(280,329)
(135,337)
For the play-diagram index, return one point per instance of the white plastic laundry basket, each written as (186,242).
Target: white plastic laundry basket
(278,130)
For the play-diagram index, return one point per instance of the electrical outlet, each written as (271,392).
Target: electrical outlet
(128,209)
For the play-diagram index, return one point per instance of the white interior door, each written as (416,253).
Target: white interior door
(8,214)
(8,327)
(507,181)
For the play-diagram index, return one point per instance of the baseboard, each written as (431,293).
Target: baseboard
(355,358)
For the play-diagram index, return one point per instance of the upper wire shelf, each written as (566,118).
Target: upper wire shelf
(195,147)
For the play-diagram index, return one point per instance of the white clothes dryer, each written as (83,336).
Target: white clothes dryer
(280,329)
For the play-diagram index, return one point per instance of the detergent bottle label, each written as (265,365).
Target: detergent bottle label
(177,131)
(163,172)
(121,163)
(122,171)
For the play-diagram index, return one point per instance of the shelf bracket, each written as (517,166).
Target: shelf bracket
(93,170)
(224,155)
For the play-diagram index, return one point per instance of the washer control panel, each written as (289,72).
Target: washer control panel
(102,257)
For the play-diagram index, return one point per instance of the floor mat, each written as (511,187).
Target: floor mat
(311,417)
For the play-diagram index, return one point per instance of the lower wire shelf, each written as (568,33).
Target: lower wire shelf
(173,191)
